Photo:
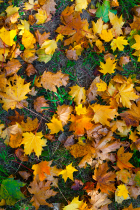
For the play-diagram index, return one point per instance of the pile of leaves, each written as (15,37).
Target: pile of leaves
(102,123)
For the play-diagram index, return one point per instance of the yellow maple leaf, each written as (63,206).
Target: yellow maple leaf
(68,172)
(49,46)
(126,94)
(119,43)
(24,25)
(41,169)
(133,136)
(74,205)
(103,113)
(78,93)
(98,26)
(41,16)
(80,109)
(108,67)
(14,93)
(81,4)
(117,24)
(122,191)
(55,126)
(8,36)
(28,39)
(106,35)
(11,10)
(123,158)
(136,46)
(59,37)
(33,142)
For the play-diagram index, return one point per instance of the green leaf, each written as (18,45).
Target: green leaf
(137,178)
(103,10)
(42,56)
(10,191)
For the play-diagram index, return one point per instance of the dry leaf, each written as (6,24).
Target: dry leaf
(30,70)
(12,67)
(40,104)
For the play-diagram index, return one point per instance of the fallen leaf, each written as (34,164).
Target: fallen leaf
(122,191)
(51,80)
(55,125)
(68,172)
(40,104)
(108,67)
(30,70)
(124,60)
(15,140)
(29,125)
(25,175)
(40,38)
(119,43)
(33,143)
(80,4)
(28,39)
(41,191)
(8,36)
(41,16)
(63,113)
(21,155)
(41,169)
(123,158)
(78,93)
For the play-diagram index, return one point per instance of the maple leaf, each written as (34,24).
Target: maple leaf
(126,93)
(117,24)
(40,169)
(119,43)
(131,208)
(103,113)
(33,143)
(30,70)
(104,180)
(15,140)
(21,155)
(136,46)
(41,192)
(108,67)
(29,125)
(40,104)
(41,16)
(123,158)
(100,46)
(80,124)
(98,26)
(8,36)
(59,37)
(64,112)
(55,126)
(78,93)
(49,46)
(123,175)
(74,205)
(14,93)
(12,67)
(51,80)
(132,116)
(68,172)
(10,10)
(10,191)
(133,136)
(102,86)
(106,35)
(40,38)
(23,26)
(98,199)
(81,4)
(28,39)
(136,23)
(122,191)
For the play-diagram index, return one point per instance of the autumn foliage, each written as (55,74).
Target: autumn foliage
(98,126)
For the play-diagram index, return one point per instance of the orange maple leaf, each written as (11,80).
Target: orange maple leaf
(123,158)
(40,169)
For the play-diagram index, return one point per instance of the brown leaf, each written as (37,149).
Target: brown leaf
(136,23)
(30,70)
(21,155)
(32,20)
(64,112)
(71,55)
(41,191)
(124,60)
(12,67)
(40,102)
(51,80)
(69,141)
(15,140)
(24,174)
(41,37)
(105,181)
(132,116)
(30,125)
(136,11)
